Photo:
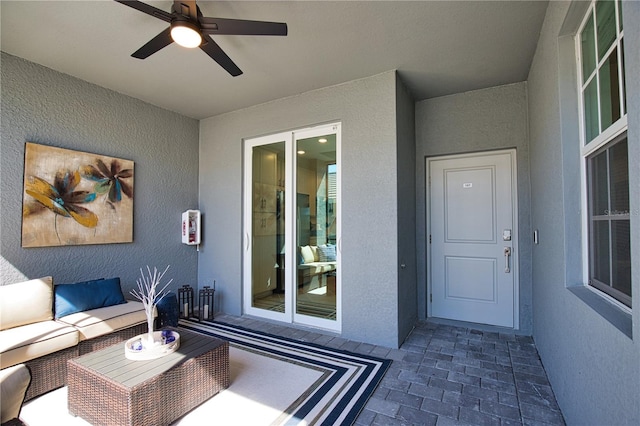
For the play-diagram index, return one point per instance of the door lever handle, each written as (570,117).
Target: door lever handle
(507,255)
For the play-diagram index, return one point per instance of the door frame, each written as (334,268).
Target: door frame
(515,257)
(307,320)
(289,316)
(247,246)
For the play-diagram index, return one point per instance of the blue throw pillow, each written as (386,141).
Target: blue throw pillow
(83,296)
(327,253)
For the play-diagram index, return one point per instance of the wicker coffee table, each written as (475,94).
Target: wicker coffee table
(105,388)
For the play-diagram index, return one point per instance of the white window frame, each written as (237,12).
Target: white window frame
(604,137)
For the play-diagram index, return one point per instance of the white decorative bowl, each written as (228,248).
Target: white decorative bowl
(138,349)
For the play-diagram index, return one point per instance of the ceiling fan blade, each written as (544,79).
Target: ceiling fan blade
(158,42)
(149,10)
(217,54)
(241,27)
(186,8)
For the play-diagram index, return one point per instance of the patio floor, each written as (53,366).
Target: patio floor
(447,375)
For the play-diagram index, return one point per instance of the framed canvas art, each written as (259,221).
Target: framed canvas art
(75,198)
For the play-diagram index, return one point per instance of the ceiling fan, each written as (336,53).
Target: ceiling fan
(189,28)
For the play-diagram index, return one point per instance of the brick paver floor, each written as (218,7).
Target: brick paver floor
(447,375)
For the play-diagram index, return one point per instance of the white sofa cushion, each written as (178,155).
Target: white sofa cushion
(36,294)
(307,254)
(27,342)
(14,382)
(97,322)
(318,267)
(316,254)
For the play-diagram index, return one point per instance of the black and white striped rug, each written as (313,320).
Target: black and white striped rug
(343,383)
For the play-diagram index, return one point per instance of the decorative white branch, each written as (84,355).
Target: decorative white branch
(149,296)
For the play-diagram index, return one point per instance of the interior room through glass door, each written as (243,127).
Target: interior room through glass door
(316,177)
(268,216)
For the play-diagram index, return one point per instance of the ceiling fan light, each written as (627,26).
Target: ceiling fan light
(185,34)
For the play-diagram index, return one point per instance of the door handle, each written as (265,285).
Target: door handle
(507,255)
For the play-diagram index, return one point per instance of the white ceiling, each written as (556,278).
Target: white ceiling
(438,47)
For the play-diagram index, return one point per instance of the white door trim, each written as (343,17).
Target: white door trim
(515,234)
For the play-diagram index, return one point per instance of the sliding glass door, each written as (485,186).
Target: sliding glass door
(291,263)
(316,226)
(267,226)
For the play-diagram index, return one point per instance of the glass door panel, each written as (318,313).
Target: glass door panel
(316,174)
(268,289)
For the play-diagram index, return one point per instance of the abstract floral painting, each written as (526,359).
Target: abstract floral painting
(75,198)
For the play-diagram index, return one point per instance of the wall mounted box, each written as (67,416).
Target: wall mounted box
(191,227)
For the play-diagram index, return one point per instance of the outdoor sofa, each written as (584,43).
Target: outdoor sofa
(315,261)
(42,325)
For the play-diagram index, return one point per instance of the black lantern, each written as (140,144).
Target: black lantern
(185,301)
(205,304)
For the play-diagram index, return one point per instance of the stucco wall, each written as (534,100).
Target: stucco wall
(369,244)
(593,366)
(43,106)
(482,120)
(407,283)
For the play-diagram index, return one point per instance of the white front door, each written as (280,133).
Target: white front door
(472,220)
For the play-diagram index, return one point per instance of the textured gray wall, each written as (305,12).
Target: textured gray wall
(407,284)
(369,266)
(43,106)
(593,366)
(482,120)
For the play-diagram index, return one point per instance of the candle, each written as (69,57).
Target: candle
(206,311)
(186,310)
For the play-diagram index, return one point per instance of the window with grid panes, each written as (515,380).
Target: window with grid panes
(600,47)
